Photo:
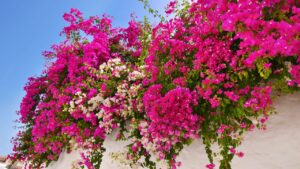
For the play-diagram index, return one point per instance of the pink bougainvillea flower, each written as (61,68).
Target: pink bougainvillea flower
(210,166)
(240,154)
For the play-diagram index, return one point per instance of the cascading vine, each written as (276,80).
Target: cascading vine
(208,72)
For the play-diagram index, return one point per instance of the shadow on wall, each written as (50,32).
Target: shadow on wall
(4,164)
(2,159)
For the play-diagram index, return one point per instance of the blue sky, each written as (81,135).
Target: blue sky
(29,27)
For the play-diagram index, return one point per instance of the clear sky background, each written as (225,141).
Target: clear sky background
(28,27)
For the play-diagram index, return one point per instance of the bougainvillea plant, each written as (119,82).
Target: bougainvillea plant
(209,72)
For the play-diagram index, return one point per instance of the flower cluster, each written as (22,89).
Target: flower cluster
(171,118)
(235,55)
(210,72)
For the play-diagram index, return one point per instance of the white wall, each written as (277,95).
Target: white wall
(2,166)
(276,148)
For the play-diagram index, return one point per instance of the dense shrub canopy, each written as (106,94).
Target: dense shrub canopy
(210,72)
